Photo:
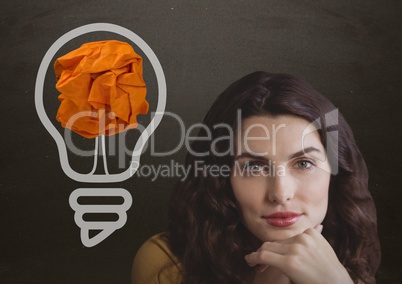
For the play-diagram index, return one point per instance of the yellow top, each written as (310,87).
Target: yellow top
(156,264)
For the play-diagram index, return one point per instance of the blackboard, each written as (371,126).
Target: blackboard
(349,50)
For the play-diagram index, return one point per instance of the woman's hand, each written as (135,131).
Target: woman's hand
(304,258)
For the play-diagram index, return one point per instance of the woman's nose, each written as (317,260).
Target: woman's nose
(280,189)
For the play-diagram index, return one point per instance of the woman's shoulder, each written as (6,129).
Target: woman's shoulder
(155,263)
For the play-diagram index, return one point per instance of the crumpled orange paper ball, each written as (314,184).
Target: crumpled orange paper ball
(102,89)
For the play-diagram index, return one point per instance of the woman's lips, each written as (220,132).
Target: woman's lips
(282,219)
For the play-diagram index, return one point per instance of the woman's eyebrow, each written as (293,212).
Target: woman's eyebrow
(292,156)
(304,151)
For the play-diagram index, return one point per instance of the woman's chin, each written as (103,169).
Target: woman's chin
(280,234)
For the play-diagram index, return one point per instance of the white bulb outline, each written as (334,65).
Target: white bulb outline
(61,146)
(107,227)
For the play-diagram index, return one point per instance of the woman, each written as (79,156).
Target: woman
(294,207)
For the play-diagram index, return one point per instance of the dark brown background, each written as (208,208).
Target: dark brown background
(349,50)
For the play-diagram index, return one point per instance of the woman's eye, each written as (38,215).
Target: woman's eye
(304,164)
(255,167)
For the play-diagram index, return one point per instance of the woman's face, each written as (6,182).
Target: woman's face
(280,176)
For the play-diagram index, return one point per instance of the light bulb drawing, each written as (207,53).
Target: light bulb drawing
(106,228)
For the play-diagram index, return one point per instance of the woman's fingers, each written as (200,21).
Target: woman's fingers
(262,268)
(276,247)
(269,253)
(304,258)
(263,257)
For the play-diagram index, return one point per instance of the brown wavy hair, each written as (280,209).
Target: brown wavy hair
(206,232)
